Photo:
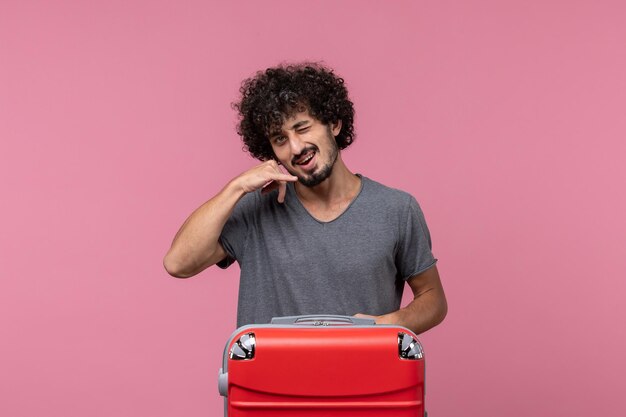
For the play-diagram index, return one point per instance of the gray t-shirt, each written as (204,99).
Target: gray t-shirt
(293,264)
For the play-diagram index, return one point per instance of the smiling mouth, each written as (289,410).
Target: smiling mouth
(306,158)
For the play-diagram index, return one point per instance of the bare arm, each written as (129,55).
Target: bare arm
(196,246)
(428,308)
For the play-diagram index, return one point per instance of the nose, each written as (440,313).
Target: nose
(296,144)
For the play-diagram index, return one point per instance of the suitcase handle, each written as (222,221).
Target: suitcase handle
(323,320)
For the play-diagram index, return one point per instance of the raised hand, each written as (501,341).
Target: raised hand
(266,176)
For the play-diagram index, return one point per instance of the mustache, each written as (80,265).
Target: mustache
(304,152)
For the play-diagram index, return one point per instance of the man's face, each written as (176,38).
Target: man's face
(306,147)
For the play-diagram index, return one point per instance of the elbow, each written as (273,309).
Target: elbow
(442,310)
(174,267)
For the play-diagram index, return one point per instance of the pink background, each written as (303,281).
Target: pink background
(504,118)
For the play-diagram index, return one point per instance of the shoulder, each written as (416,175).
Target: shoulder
(257,204)
(373,190)
(393,202)
(248,202)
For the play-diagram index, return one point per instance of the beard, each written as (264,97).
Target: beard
(324,172)
(317,177)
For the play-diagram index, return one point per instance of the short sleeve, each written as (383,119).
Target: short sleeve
(236,229)
(414,253)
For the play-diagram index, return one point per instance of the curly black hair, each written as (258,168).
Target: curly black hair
(279,92)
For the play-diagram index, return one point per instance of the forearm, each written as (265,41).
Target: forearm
(195,246)
(427,310)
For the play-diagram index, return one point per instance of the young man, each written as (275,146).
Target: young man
(318,239)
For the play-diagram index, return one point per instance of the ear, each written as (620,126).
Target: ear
(335,127)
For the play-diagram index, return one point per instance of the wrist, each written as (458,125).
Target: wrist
(397,318)
(235,187)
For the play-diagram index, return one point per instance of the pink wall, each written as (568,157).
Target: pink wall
(505,120)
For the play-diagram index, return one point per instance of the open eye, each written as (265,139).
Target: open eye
(279,140)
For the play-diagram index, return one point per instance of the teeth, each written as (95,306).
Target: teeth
(307,159)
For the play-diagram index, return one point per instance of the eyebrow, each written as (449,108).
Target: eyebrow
(274,132)
(300,124)
(277,132)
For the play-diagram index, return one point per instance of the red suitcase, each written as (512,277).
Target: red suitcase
(315,366)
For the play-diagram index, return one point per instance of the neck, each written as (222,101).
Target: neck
(339,185)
